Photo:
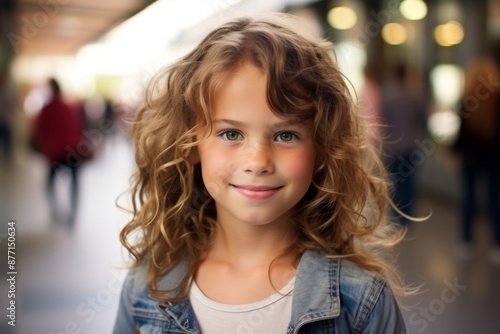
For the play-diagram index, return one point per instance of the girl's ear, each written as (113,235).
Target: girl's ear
(194,156)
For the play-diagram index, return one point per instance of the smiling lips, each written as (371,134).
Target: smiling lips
(257,192)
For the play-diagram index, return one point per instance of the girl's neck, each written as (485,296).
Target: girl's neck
(247,255)
(247,246)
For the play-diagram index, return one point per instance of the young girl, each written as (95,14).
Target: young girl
(258,205)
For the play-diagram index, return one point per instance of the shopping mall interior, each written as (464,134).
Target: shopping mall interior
(68,272)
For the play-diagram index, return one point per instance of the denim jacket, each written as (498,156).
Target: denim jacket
(330,296)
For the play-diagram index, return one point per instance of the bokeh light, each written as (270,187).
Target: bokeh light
(448,34)
(342,18)
(443,126)
(413,9)
(394,33)
(446,81)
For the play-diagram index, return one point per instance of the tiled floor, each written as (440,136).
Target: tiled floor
(67,281)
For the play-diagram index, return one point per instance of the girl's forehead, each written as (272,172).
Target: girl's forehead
(244,84)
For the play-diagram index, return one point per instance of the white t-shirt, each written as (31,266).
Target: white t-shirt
(268,316)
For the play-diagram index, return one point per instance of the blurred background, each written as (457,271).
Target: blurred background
(408,61)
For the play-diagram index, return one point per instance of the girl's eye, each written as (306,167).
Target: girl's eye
(286,137)
(230,135)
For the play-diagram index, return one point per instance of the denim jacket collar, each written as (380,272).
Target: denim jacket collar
(315,297)
(316,293)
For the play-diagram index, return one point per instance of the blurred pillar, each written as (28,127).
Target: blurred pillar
(374,50)
(476,40)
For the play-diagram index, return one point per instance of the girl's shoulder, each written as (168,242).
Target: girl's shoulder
(367,298)
(353,296)
(359,287)
(137,277)
(140,311)
(346,283)
(352,273)
(135,284)
(341,271)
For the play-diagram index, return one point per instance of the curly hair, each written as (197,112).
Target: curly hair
(343,213)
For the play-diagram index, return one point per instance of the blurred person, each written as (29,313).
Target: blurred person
(57,131)
(109,116)
(478,144)
(403,117)
(253,171)
(7,109)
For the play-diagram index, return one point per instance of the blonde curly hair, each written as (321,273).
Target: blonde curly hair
(344,211)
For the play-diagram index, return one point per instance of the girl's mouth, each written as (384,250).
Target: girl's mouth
(256,192)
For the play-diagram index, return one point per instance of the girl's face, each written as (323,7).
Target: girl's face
(255,165)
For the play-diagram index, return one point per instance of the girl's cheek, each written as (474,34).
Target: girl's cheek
(301,164)
(223,164)
(216,170)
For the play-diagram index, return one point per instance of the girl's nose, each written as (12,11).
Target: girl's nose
(258,159)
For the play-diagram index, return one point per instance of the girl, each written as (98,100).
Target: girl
(258,206)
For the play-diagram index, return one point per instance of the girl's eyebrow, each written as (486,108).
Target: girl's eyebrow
(275,125)
(227,121)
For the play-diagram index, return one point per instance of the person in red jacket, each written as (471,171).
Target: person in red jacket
(58,131)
